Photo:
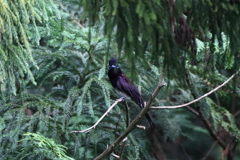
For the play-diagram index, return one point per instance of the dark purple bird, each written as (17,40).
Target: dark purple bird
(123,86)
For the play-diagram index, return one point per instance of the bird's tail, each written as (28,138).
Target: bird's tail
(141,105)
(149,119)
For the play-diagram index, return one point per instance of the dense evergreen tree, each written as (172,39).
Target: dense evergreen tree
(53,62)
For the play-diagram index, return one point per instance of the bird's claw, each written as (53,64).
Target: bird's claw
(122,98)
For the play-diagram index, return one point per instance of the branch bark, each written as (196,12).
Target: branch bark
(148,107)
(127,124)
(132,126)
(109,109)
(208,126)
(198,99)
(74,20)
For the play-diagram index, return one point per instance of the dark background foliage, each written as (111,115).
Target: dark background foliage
(53,65)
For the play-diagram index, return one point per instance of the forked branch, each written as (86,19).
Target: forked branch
(198,99)
(132,126)
(109,109)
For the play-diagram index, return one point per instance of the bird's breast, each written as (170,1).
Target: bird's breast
(122,94)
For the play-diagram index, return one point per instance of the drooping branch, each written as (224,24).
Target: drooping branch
(132,126)
(109,109)
(192,110)
(208,126)
(198,99)
(126,138)
(209,151)
(73,19)
(205,121)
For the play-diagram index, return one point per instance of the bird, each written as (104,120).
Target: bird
(124,87)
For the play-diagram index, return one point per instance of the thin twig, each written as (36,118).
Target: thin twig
(132,126)
(208,126)
(212,86)
(141,127)
(209,151)
(211,131)
(116,156)
(124,141)
(192,110)
(184,150)
(74,20)
(109,109)
(127,114)
(206,123)
(198,99)
(127,124)
(236,113)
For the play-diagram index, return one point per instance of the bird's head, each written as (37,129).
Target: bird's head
(112,64)
(113,71)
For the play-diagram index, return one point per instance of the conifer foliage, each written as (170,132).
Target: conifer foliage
(53,62)
(18,30)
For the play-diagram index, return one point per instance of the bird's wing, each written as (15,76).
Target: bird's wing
(125,86)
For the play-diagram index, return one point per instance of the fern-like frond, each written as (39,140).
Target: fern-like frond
(46,147)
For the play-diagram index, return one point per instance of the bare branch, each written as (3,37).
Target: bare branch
(127,114)
(211,132)
(198,99)
(209,151)
(184,150)
(132,126)
(116,156)
(127,124)
(192,110)
(141,127)
(208,126)
(74,20)
(109,109)
(124,141)
(212,86)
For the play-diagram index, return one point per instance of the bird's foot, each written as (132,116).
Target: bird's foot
(122,98)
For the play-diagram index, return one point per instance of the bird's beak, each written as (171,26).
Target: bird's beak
(112,66)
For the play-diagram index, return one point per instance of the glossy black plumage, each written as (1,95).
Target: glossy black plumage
(123,86)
